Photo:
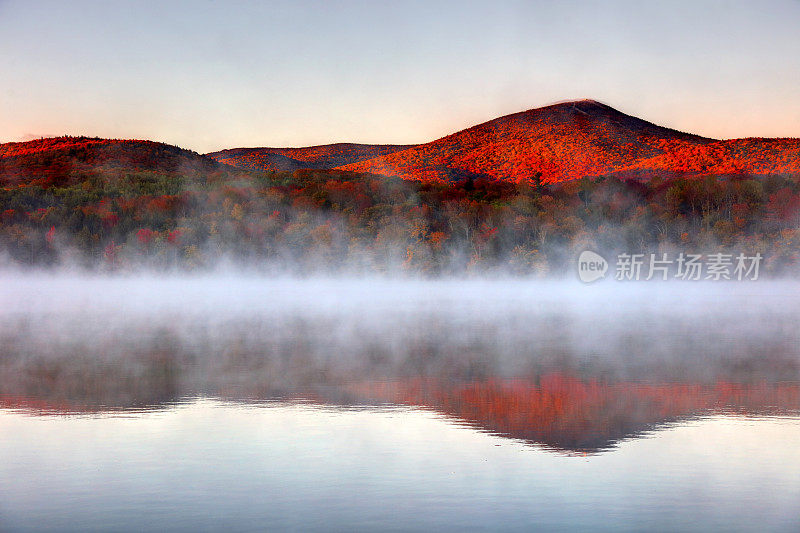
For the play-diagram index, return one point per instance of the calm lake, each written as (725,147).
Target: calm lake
(247,404)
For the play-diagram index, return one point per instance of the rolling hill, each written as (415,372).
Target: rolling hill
(314,157)
(57,160)
(581,138)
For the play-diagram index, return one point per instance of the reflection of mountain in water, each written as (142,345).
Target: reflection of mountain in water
(557,409)
(567,413)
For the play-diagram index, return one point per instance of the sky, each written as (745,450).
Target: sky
(208,75)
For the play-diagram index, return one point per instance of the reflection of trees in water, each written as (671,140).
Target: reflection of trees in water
(551,393)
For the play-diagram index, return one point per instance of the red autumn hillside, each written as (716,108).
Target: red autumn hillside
(577,139)
(317,157)
(57,160)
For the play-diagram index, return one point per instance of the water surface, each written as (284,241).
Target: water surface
(248,404)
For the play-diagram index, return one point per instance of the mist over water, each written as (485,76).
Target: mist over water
(499,404)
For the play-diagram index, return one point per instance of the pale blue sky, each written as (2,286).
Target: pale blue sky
(208,75)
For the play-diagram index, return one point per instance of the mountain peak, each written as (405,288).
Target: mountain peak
(582,104)
(586,102)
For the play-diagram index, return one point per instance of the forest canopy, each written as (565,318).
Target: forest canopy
(199,217)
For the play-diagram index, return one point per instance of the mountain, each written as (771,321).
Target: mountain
(316,157)
(57,160)
(576,139)
(555,143)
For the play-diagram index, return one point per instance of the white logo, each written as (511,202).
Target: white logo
(591,266)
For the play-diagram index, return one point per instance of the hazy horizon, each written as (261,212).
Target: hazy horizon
(207,76)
